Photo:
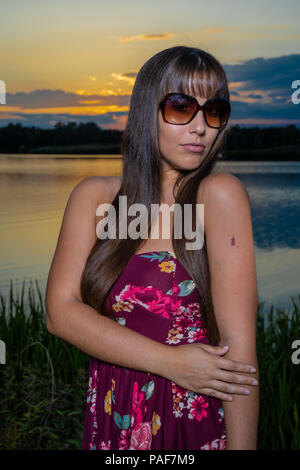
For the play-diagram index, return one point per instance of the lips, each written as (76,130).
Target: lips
(194,147)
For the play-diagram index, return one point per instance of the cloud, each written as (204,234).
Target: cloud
(107,120)
(273,75)
(212,30)
(146,37)
(278,110)
(42,108)
(62,99)
(127,77)
(260,89)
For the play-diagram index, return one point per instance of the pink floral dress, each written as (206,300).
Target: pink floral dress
(128,409)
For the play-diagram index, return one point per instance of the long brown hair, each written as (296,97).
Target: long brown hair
(184,69)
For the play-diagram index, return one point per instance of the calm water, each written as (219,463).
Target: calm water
(34,190)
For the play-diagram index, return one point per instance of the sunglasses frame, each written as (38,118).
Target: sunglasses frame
(199,107)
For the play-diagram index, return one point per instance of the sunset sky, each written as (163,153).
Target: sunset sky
(75,60)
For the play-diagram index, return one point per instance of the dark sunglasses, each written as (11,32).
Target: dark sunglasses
(179,108)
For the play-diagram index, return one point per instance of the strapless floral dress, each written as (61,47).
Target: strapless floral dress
(128,409)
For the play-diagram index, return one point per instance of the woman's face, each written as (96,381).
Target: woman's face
(172,141)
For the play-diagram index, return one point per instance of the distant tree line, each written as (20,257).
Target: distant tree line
(14,138)
(242,138)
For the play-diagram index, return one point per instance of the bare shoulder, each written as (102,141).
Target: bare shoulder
(99,188)
(222,188)
(226,205)
(115,184)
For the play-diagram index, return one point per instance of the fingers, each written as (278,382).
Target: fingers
(235,378)
(216,394)
(229,388)
(229,364)
(226,386)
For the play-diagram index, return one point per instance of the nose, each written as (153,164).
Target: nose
(198,124)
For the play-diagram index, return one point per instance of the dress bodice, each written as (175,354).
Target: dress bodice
(153,290)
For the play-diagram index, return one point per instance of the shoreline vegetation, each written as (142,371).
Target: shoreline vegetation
(44,379)
(241,144)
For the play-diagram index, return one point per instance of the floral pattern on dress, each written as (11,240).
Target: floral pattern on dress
(91,398)
(194,404)
(216,444)
(159,304)
(137,434)
(186,326)
(109,398)
(135,426)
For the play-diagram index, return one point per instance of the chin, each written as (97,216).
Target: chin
(187,167)
(191,162)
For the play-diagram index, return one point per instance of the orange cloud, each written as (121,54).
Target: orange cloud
(212,30)
(82,111)
(102,93)
(235,84)
(252,96)
(146,37)
(130,78)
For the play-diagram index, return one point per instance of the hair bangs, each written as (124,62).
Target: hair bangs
(197,78)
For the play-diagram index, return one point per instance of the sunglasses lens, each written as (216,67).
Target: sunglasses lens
(217,112)
(179,109)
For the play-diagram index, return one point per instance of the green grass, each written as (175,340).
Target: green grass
(44,381)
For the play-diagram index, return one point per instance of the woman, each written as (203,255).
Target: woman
(155,315)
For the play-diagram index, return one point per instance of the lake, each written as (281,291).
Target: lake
(34,190)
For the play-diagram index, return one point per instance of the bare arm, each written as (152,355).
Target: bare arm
(229,239)
(103,338)
(67,316)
